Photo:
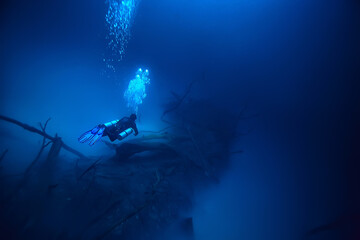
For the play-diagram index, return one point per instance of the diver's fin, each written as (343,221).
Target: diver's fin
(97,136)
(85,137)
(92,136)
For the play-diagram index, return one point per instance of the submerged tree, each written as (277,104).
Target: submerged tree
(138,193)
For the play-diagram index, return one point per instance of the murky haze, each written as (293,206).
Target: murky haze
(293,66)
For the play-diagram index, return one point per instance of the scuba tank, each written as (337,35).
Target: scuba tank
(126,133)
(111,123)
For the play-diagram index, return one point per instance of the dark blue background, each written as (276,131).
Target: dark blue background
(294,64)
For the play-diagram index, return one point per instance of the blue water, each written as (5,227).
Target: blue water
(293,65)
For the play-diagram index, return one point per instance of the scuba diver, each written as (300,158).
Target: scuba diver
(117,129)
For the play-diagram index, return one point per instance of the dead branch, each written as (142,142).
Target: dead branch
(42,133)
(123,220)
(11,175)
(43,146)
(43,128)
(104,214)
(201,154)
(159,178)
(339,223)
(55,149)
(126,150)
(153,137)
(160,131)
(176,96)
(180,100)
(236,152)
(52,186)
(171,139)
(32,164)
(93,165)
(3,154)
(112,146)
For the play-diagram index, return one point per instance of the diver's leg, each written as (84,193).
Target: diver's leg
(93,135)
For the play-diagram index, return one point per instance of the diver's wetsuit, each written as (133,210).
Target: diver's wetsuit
(114,130)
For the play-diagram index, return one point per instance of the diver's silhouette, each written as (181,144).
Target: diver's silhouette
(117,129)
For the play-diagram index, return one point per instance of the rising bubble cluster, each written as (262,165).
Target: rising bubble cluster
(136,90)
(119,18)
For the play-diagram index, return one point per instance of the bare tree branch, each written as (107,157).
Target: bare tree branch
(42,133)
(104,214)
(123,220)
(93,165)
(161,130)
(3,154)
(149,200)
(339,223)
(205,165)
(32,164)
(236,152)
(43,128)
(180,100)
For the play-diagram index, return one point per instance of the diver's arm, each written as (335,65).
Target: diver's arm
(136,132)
